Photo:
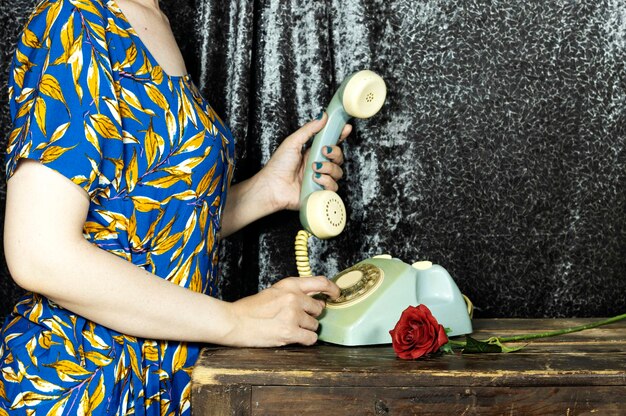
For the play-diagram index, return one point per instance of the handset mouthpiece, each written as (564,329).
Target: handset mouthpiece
(323,214)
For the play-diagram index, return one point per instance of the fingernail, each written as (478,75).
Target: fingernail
(318,165)
(320,115)
(329,149)
(318,175)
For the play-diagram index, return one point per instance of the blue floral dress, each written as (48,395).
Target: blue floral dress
(90,102)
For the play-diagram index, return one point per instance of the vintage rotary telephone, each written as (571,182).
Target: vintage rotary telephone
(375,291)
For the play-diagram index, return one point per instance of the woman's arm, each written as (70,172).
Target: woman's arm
(47,254)
(277,186)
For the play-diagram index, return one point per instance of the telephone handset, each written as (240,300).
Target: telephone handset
(375,291)
(361,95)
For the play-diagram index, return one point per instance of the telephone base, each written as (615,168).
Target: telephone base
(377,290)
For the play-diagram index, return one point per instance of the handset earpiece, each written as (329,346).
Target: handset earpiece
(361,95)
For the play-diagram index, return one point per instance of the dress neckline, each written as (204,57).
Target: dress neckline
(140,44)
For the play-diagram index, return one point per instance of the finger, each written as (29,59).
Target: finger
(313,307)
(328,168)
(318,284)
(308,322)
(304,133)
(333,153)
(326,181)
(347,129)
(305,337)
(291,334)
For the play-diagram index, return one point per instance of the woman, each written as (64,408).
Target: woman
(119,172)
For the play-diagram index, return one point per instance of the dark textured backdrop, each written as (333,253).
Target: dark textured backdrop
(500,154)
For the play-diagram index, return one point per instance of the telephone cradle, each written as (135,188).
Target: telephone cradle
(374,293)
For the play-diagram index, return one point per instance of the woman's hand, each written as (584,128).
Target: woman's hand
(277,185)
(282,314)
(282,175)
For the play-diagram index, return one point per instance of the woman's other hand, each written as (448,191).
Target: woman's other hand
(283,172)
(282,314)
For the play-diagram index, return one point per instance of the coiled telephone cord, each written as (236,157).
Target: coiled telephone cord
(302,253)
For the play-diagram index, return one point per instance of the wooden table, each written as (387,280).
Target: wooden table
(579,373)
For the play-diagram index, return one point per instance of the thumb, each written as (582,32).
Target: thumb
(304,133)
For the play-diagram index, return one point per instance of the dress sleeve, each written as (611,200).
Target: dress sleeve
(63,102)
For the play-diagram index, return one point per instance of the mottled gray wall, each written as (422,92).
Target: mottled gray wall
(500,154)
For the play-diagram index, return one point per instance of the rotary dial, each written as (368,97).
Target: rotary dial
(356,284)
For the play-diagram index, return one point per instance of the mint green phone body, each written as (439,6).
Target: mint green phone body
(368,321)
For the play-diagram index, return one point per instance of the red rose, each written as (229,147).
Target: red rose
(417,333)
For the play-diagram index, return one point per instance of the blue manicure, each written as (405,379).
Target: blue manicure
(320,115)
(318,165)
(329,149)
(318,175)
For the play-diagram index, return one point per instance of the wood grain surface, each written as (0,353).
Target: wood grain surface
(579,373)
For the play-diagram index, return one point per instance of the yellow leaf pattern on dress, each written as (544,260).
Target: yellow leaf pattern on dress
(30,398)
(134,362)
(51,87)
(194,143)
(86,5)
(130,98)
(92,137)
(155,144)
(83,404)
(89,101)
(59,407)
(157,74)
(93,78)
(59,132)
(156,96)
(126,112)
(98,358)
(67,40)
(51,16)
(45,340)
(52,153)
(98,30)
(25,108)
(30,39)
(150,350)
(76,62)
(132,172)
(166,181)
(43,385)
(65,369)
(180,357)
(30,349)
(2,392)
(97,396)
(40,114)
(196,281)
(105,127)
(145,204)
(95,340)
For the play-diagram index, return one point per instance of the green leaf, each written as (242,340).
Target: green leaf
(473,346)
(505,349)
(446,348)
